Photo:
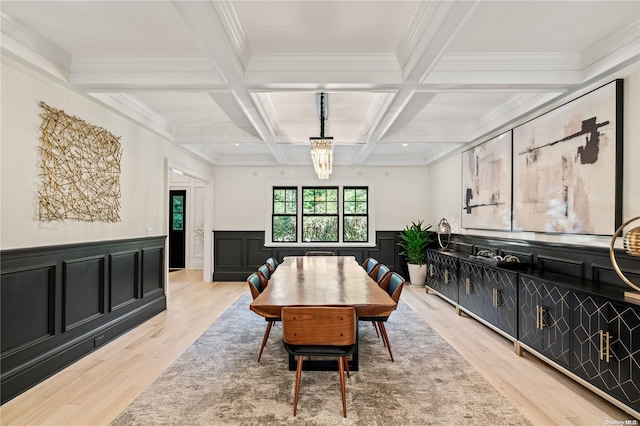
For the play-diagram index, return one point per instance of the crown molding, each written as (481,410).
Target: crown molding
(142,111)
(35,41)
(104,72)
(517,107)
(627,37)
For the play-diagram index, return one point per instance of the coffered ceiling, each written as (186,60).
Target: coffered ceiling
(407,81)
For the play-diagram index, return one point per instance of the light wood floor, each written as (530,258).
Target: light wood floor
(94,390)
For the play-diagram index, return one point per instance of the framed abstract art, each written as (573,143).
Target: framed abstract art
(486,184)
(567,166)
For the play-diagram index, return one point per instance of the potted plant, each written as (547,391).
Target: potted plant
(413,242)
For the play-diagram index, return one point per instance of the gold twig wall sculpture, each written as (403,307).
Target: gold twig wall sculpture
(80,169)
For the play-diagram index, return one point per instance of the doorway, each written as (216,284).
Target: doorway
(177,215)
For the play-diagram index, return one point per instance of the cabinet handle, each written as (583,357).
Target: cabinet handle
(446,276)
(601,345)
(540,317)
(605,354)
(496,298)
(468,285)
(431,269)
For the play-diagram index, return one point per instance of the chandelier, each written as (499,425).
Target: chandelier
(322,147)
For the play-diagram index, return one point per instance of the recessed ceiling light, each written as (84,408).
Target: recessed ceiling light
(237,144)
(405,144)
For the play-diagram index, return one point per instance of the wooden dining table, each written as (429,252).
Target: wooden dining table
(322,281)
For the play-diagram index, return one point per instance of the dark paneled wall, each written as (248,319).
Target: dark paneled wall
(588,263)
(237,254)
(59,303)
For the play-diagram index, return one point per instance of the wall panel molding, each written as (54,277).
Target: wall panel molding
(239,253)
(58,303)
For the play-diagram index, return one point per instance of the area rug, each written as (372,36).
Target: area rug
(217,381)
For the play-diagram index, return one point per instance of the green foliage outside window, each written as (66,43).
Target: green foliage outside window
(355,211)
(320,214)
(178,223)
(285,209)
(177,205)
(355,228)
(320,228)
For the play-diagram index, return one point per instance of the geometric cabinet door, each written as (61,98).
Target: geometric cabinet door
(606,346)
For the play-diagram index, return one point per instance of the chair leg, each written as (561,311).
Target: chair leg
(346,366)
(379,325)
(375,327)
(265,338)
(385,337)
(341,362)
(298,375)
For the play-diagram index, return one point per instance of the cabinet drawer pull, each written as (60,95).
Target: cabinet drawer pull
(496,298)
(605,350)
(601,345)
(431,269)
(540,317)
(446,276)
(468,285)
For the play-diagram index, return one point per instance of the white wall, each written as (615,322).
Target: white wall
(242,194)
(446,174)
(143,178)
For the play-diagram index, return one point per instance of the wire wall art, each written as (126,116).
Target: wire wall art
(79,170)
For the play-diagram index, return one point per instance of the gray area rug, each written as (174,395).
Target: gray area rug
(217,381)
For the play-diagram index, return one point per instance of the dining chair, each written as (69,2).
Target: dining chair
(379,271)
(320,331)
(256,287)
(369,264)
(264,273)
(320,253)
(272,264)
(392,283)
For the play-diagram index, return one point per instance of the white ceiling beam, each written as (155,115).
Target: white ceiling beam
(229,104)
(210,34)
(434,30)
(323,70)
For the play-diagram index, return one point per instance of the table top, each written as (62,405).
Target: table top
(322,280)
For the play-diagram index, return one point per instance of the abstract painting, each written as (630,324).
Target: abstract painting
(564,165)
(486,185)
(80,169)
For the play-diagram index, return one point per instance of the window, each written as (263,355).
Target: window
(285,214)
(320,214)
(355,216)
(177,211)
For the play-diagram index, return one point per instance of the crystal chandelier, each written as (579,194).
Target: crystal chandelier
(322,156)
(322,147)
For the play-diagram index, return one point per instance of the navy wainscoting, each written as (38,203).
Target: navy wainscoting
(59,303)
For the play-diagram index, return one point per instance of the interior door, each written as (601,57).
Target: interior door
(177,217)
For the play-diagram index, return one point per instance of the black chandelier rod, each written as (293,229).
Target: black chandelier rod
(322,115)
